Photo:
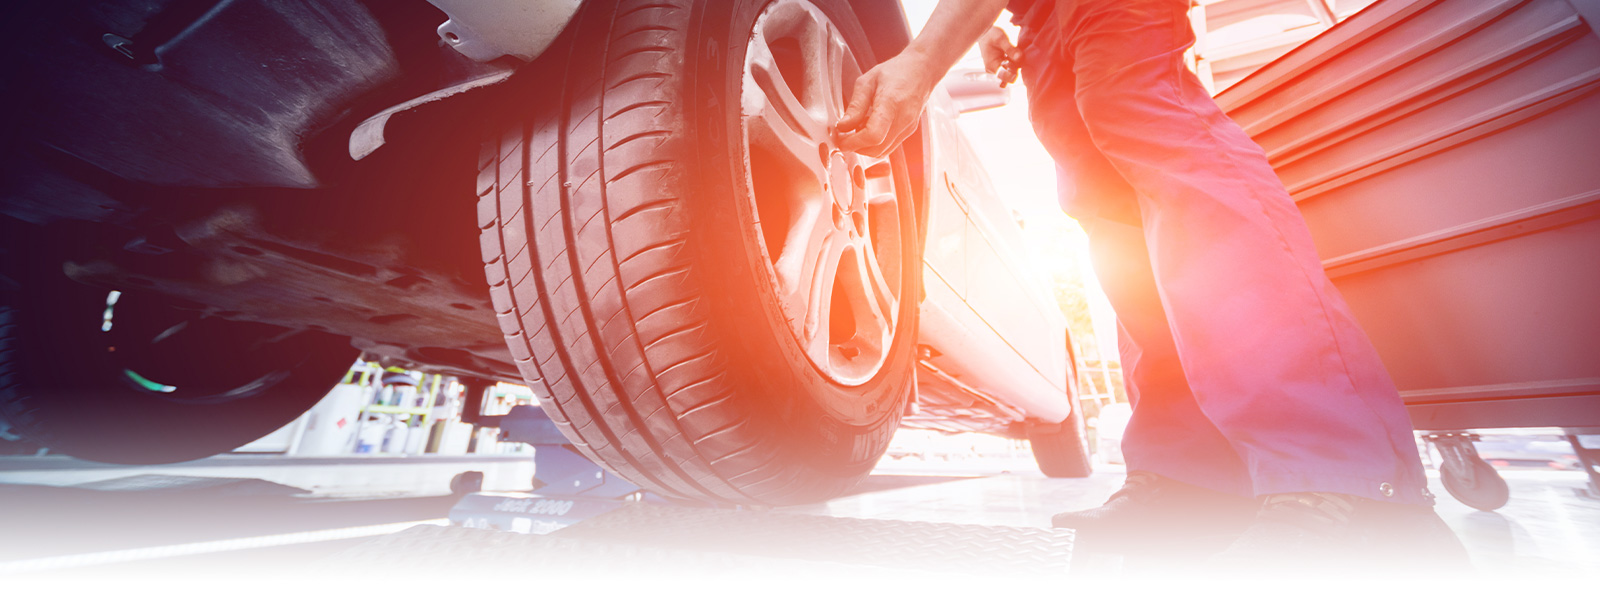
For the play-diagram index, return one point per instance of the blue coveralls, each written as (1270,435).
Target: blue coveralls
(1247,371)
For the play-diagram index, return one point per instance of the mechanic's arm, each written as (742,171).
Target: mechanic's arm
(889,98)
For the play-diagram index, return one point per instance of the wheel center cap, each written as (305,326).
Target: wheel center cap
(839,182)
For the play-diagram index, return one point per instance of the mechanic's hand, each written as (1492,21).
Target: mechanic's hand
(886,105)
(996,48)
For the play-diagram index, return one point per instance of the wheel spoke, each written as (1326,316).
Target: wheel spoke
(820,314)
(772,132)
(882,229)
(876,315)
(839,76)
(819,298)
(879,176)
(810,241)
(778,93)
(882,200)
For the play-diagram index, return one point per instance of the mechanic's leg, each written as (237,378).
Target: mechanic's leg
(1159,514)
(1274,357)
(1167,434)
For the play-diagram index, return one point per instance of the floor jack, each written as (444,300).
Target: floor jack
(568,488)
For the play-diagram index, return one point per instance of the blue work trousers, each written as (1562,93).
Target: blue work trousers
(1247,371)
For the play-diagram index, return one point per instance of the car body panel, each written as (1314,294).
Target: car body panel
(986,318)
(485,30)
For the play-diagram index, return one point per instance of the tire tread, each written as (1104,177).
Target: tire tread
(610,387)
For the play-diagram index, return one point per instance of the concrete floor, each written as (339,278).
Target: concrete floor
(1548,529)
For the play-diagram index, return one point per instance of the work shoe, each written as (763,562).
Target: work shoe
(1320,532)
(1155,515)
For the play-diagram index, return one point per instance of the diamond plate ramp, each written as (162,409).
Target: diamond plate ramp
(648,540)
(458,551)
(904,545)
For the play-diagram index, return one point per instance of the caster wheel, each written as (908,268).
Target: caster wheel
(466,482)
(1483,489)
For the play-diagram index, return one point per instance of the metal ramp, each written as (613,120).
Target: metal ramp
(581,520)
(644,538)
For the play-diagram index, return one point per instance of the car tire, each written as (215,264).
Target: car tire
(639,245)
(82,372)
(1062,450)
(1487,490)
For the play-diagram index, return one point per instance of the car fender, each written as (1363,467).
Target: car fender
(485,30)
